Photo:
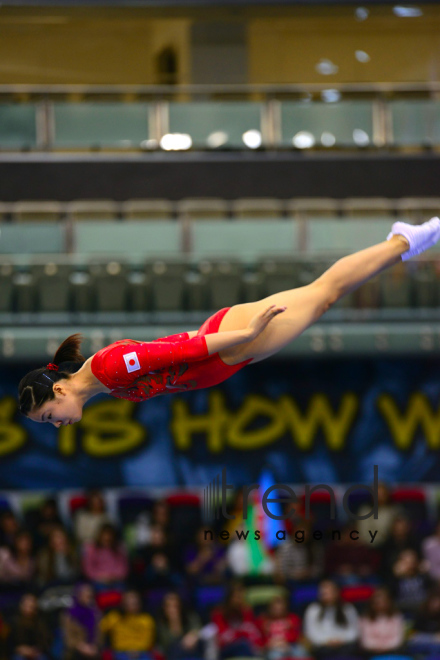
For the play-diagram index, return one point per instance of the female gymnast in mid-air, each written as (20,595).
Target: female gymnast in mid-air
(227,341)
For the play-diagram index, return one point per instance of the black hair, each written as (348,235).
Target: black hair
(371,613)
(340,616)
(107,527)
(36,387)
(13,548)
(183,610)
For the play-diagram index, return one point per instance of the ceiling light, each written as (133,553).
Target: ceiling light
(362,56)
(328,139)
(252,139)
(330,95)
(176,142)
(407,12)
(360,137)
(326,67)
(303,140)
(361,13)
(217,139)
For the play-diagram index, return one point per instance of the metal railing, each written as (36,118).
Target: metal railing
(270,95)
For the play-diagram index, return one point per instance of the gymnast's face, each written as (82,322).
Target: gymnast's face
(63,410)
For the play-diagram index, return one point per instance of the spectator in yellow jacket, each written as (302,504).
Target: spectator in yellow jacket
(130,632)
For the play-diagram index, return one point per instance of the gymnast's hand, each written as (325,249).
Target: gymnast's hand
(260,320)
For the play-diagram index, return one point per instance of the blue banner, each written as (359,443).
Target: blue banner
(308,421)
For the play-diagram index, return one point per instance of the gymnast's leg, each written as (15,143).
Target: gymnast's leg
(305,305)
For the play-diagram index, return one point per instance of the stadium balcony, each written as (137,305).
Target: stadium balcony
(227,141)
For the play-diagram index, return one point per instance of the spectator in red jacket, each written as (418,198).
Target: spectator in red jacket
(281,631)
(238,632)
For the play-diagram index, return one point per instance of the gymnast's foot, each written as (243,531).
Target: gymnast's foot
(419,237)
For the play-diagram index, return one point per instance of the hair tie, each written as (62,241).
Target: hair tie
(52,367)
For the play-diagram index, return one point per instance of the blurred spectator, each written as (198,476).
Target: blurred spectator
(238,631)
(401,538)
(299,557)
(353,560)
(382,628)
(155,562)
(234,509)
(131,632)
(387,511)
(160,574)
(29,635)
(17,564)
(58,561)
(330,625)
(281,631)
(409,584)
(431,553)
(426,627)
(9,527)
(178,630)
(80,626)
(205,560)
(158,542)
(4,631)
(105,561)
(239,557)
(90,520)
(160,515)
(47,519)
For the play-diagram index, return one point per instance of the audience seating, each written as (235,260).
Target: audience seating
(96,209)
(303,207)
(345,235)
(367,206)
(303,595)
(396,289)
(413,500)
(300,208)
(257,207)
(418,209)
(360,593)
(131,505)
(203,207)
(425,280)
(130,238)
(147,209)
(261,595)
(115,285)
(246,239)
(32,238)
(185,508)
(45,211)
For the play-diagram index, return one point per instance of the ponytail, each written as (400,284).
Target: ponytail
(36,387)
(69,351)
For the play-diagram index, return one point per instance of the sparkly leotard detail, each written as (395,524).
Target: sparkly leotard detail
(138,371)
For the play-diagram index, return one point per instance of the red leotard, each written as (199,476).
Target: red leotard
(138,370)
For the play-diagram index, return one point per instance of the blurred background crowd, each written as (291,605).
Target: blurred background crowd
(151,584)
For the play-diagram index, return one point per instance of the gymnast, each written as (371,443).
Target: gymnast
(227,341)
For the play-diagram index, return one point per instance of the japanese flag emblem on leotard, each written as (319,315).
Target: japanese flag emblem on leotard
(132,362)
